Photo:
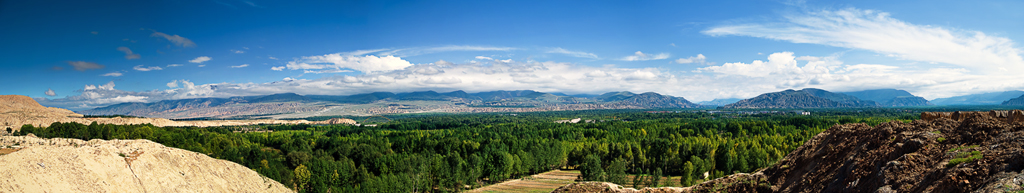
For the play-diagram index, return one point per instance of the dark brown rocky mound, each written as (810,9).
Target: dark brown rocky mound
(943,152)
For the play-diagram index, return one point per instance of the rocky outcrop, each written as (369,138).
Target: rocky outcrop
(72,165)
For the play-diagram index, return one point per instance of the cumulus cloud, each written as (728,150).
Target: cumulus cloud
(200,59)
(338,61)
(140,68)
(640,56)
(49,92)
(128,53)
(278,68)
(177,40)
(172,84)
(240,66)
(114,74)
(579,54)
(83,66)
(879,32)
(699,59)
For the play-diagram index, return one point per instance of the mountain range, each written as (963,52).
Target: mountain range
(805,98)
(291,105)
(386,102)
(992,98)
(890,97)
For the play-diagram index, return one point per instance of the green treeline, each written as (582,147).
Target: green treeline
(448,153)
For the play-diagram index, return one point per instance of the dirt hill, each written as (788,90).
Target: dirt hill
(17,110)
(943,152)
(72,165)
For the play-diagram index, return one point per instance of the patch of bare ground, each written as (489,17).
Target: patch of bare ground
(72,165)
(543,182)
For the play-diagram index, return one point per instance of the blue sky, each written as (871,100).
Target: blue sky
(83,55)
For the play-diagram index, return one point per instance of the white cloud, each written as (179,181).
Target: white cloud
(483,58)
(277,68)
(272,58)
(240,66)
(172,84)
(140,68)
(877,31)
(202,65)
(128,53)
(200,59)
(83,66)
(700,59)
(177,40)
(173,65)
(49,92)
(640,56)
(579,54)
(338,61)
(238,51)
(114,74)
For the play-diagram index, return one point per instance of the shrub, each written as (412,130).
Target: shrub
(962,158)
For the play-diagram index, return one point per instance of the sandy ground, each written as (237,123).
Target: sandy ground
(72,165)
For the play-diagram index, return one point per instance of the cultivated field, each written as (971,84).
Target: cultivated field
(543,182)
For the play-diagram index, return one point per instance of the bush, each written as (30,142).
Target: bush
(591,169)
(962,158)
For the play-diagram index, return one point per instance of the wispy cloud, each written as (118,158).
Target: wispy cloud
(640,56)
(483,58)
(200,59)
(128,53)
(699,59)
(176,39)
(353,60)
(238,51)
(151,68)
(114,74)
(579,54)
(877,31)
(173,65)
(240,66)
(83,66)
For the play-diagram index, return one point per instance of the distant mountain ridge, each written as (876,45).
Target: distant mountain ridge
(805,98)
(291,102)
(719,102)
(992,98)
(890,97)
(1019,101)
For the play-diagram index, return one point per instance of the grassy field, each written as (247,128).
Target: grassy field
(543,182)
(548,181)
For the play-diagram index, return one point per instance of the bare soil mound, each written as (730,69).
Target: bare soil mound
(72,165)
(944,152)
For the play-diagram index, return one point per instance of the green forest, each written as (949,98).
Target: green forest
(455,152)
